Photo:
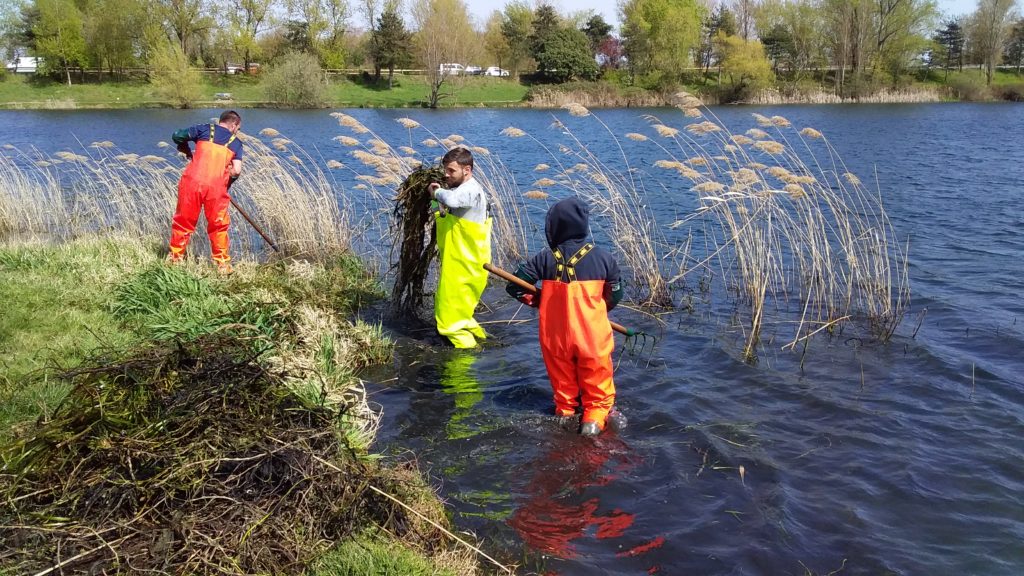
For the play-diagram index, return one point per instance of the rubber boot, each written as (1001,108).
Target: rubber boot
(590,429)
(616,420)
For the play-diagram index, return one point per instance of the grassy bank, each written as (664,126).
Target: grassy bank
(93,305)
(28,92)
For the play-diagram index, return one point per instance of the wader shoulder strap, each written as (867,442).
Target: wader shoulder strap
(566,271)
(213,130)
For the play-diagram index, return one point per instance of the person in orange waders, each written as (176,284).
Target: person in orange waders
(580,283)
(463,247)
(204,185)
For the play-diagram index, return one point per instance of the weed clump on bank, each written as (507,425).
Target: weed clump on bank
(190,458)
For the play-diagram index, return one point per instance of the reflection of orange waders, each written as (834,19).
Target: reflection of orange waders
(204,185)
(576,340)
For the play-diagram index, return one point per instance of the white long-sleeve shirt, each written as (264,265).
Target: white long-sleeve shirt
(467,200)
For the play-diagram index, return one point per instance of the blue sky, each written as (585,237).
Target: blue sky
(481,9)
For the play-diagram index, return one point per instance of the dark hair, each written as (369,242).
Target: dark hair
(230,116)
(461,155)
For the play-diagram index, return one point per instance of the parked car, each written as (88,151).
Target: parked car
(495,71)
(473,70)
(25,64)
(451,69)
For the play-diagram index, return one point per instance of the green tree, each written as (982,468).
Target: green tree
(393,44)
(188,21)
(545,23)
(171,75)
(516,25)
(950,39)
(59,35)
(721,20)
(296,81)
(597,31)
(318,27)
(495,42)
(114,33)
(793,33)
(661,35)
(745,65)
(567,56)
(247,20)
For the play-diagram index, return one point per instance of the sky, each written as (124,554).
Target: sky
(481,9)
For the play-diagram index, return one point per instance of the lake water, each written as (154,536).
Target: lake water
(872,458)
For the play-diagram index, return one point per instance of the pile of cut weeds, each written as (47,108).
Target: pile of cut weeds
(189,459)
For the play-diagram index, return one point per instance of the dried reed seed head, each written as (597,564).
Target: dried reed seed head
(757,166)
(762,120)
(806,179)
(269,132)
(795,191)
(778,172)
(430,143)
(757,133)
(851,178)
(636,137)
(705,127)
(544,183)
(455,138)
(742,210)
(407,150)
(557,124)
(346,140)
(671,164)
(360,187)
(70,156)
(576,109)
(11,146)
(449,143)
(744,176)
(581,166)
(480,150)
(295,159)
(770,147)
(709,187)
(687,172)
(102,144)
(334,164)
(536,195)
(741,139)
(127,157)
(152,158)
(810,133)
(513,132)
(378,143)
(780,122)
(600,178)
(665,131)
(698,161)
(541,167)
(280,146)
(160,144)
(692,113)
(408,123)
(43,163)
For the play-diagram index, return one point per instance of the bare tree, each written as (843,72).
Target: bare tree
(989,29)
(444,34)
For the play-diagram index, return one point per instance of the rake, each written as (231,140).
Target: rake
(636,341)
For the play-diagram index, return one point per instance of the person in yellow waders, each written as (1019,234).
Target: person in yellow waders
(580,283)
(204,186)
(463,246)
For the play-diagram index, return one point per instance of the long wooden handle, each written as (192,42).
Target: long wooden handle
(533,289)
(255,227)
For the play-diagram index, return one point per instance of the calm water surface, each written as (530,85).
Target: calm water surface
(896,458)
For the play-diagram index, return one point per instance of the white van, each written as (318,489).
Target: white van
(451,69)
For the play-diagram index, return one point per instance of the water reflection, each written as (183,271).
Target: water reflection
(555,507)
(459,380)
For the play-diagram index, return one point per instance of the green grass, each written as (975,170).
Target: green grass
(369,556)
(23,91)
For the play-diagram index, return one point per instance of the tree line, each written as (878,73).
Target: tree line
(741,45)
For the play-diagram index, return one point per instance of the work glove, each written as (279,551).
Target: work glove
(532,300)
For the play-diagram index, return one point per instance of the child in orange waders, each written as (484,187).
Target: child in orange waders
(579,284)
(204,185)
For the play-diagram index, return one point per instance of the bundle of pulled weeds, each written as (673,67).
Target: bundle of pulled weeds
(192,460)
(418,243)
